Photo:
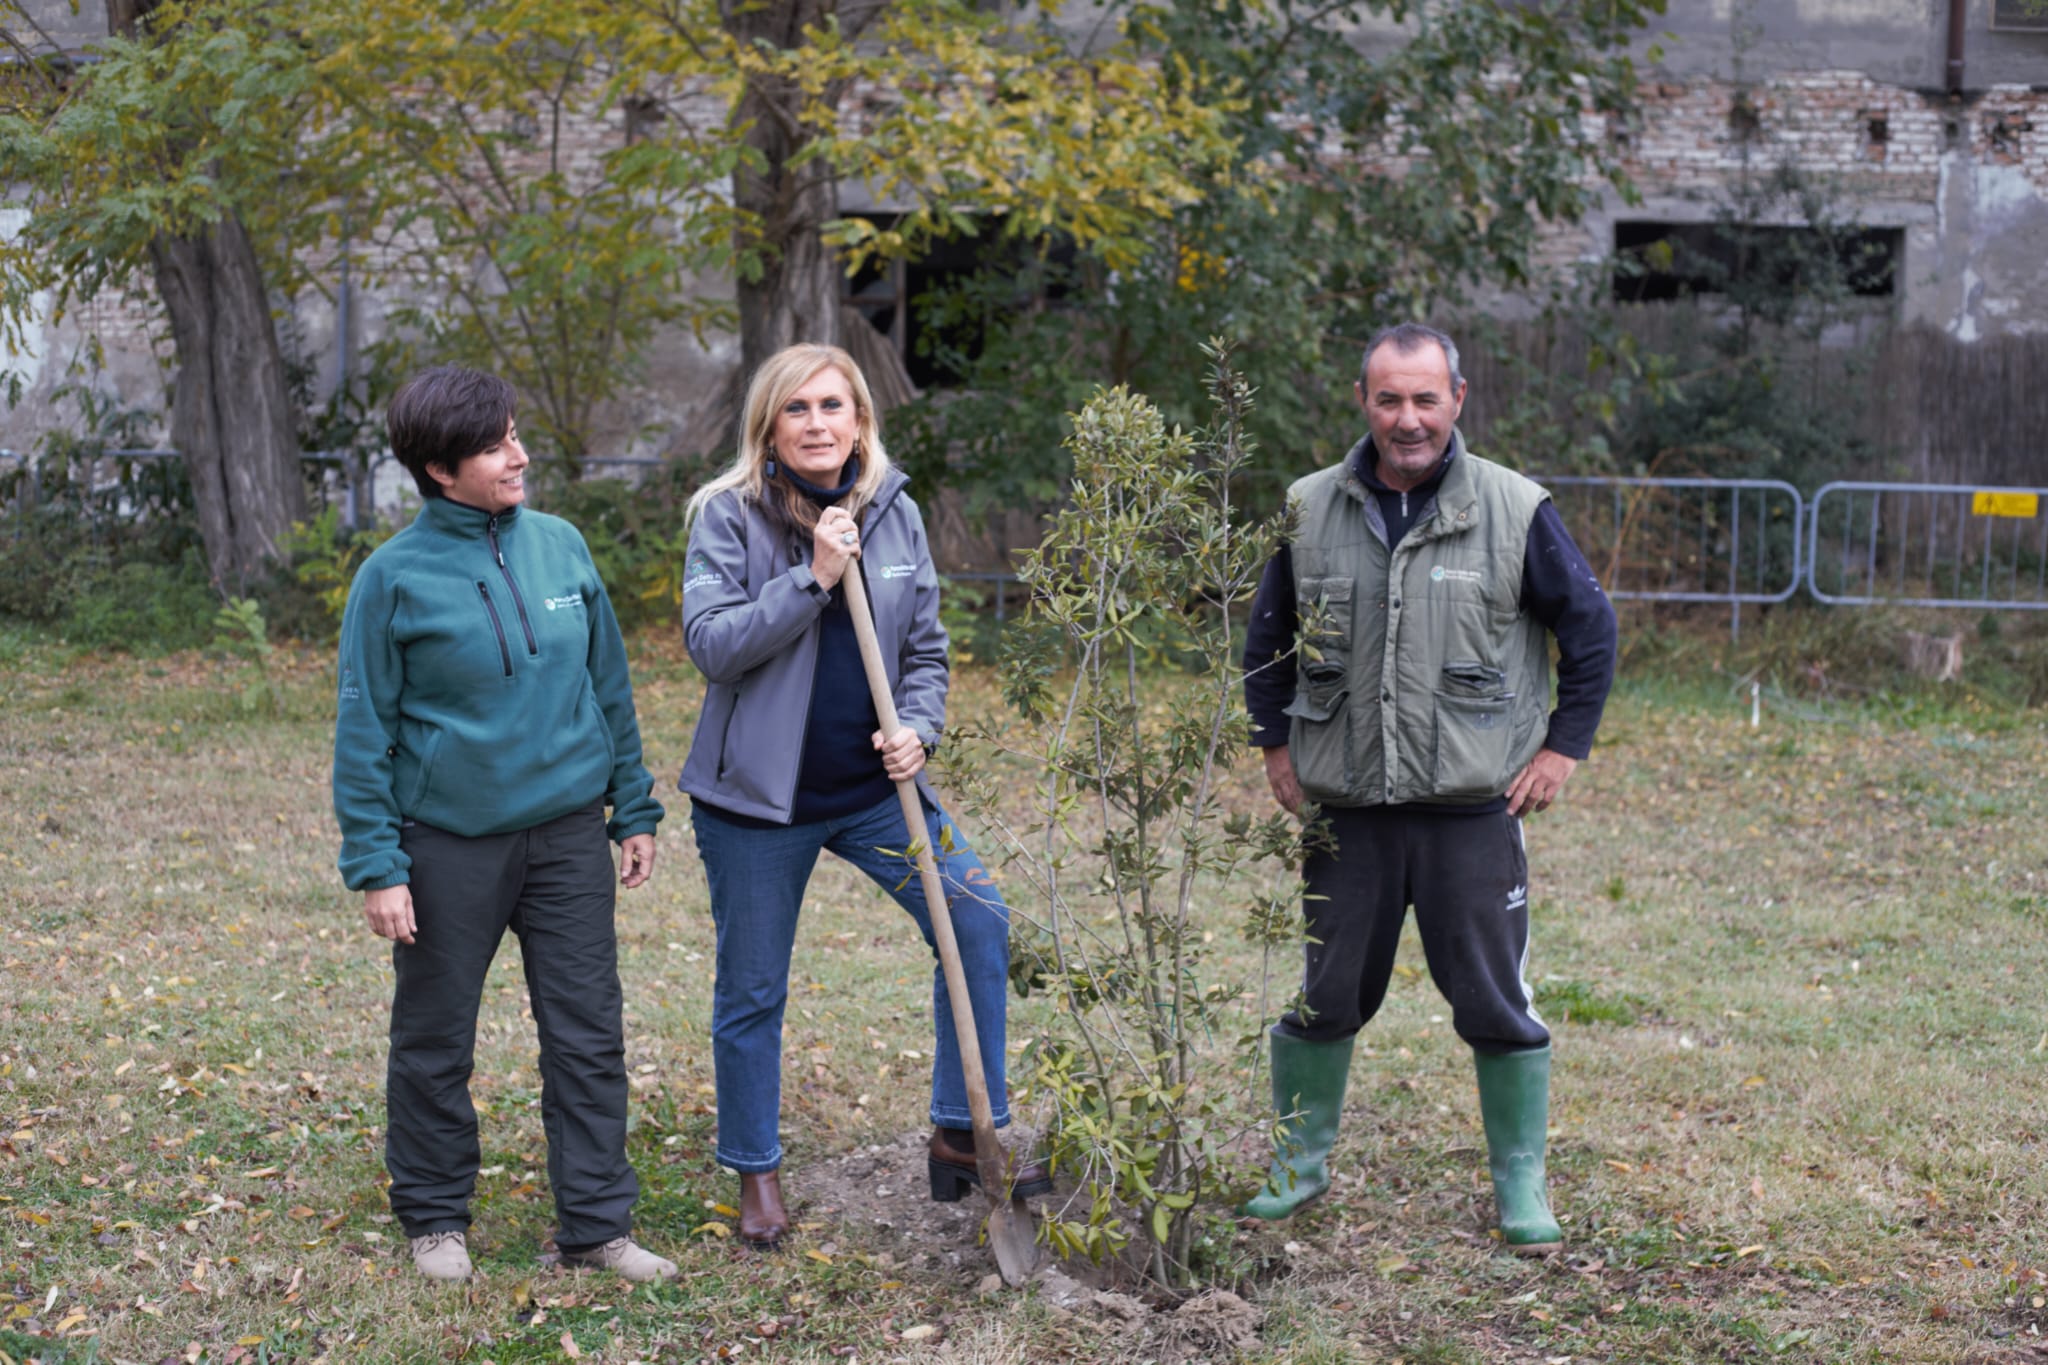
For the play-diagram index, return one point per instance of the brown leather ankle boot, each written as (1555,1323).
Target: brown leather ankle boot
(763,1220)
(950,1163)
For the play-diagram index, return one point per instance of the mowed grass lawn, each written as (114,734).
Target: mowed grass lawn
(1798,976)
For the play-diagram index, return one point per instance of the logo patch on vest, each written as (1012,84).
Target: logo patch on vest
(898,570)
(1438,573)
(574,599)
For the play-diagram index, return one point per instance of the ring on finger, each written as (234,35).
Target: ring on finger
(848,538)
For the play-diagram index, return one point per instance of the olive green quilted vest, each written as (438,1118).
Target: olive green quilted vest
(1419,678)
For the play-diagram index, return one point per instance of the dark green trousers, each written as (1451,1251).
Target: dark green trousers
(554,887)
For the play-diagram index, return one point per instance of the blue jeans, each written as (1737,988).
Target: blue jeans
(757,879)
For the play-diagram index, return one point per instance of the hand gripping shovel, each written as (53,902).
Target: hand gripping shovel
(1009,1221)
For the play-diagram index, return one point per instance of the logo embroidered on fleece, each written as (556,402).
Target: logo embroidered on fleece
(897,570)
(574,599)
(1439,573)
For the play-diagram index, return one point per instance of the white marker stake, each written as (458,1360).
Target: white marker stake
(1756,705)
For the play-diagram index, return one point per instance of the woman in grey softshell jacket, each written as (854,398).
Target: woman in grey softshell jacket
(789,759)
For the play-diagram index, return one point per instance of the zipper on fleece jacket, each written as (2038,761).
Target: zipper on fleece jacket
(518,602)
(483,590)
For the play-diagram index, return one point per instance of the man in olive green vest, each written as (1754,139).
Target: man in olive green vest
(1423,586)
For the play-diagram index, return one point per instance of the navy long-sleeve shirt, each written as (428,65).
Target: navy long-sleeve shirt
(1558,589)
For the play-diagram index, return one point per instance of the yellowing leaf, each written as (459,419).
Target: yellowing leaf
(712,1230)
(818,1255)
(728,1210)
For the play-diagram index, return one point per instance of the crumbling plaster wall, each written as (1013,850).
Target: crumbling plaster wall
(1854,93)
(1966,178)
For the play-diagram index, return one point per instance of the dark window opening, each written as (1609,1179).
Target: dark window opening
(1620,135)
(1744,122)
(2003,133)
(936,310)
(1661,261)
(1877,134)
(644,117)
(2019,16)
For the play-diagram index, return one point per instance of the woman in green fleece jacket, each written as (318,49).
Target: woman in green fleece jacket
(485,722)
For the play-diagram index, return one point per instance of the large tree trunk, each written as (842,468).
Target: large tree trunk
(796,298)
(231,413)
(230,410)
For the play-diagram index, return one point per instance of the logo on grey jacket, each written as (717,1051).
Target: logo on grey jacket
(897,570)
(1438,573)
(698,573)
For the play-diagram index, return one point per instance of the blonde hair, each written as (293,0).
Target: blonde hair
(780,376)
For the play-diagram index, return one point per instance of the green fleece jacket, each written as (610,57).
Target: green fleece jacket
(483,689)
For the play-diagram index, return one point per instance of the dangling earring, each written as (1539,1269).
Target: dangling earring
(769,471)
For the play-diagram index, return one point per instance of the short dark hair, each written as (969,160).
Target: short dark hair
(443,416)
(1407,338)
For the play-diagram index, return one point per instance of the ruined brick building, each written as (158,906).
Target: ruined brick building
(1927,118)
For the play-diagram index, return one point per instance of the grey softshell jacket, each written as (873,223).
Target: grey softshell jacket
(751,610)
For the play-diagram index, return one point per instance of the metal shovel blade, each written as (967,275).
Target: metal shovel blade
(1011,1238)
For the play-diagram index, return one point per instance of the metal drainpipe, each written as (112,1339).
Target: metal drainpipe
(1958,16)
(359,495)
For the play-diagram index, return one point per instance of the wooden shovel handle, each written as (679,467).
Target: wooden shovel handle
(988,1153)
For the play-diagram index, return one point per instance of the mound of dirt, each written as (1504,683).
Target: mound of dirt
(1214,1325)
(879,1194)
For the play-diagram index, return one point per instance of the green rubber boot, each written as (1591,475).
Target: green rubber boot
(1514,1102)
(1308,1077)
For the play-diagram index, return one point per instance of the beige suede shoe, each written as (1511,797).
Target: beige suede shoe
(625,1258)
(442,1255)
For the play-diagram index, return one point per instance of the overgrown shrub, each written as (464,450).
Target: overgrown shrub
(142,608)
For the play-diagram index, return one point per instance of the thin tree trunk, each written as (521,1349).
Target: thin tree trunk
(230,410)
(796,298)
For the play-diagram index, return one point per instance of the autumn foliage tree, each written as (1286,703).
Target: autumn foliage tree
(1370,181)
(230,152)
(152,165)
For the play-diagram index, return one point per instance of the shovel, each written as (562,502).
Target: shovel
(1009,1221)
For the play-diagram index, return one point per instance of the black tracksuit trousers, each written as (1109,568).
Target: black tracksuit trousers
(555,888)
(1467,877)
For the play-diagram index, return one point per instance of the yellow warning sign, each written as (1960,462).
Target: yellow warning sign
(2006,504)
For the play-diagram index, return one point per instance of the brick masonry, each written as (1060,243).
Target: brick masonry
(1966,179)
